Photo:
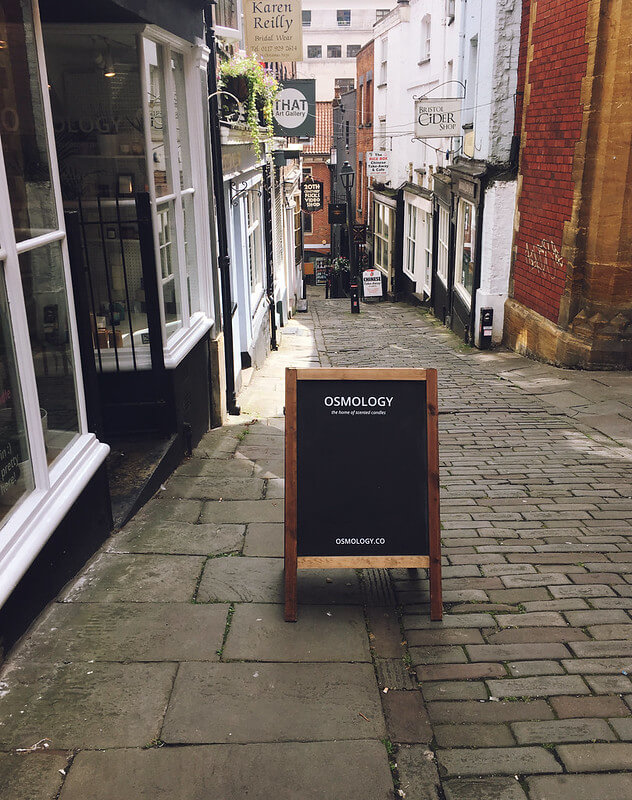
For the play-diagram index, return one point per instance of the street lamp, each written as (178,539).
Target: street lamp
(347,178)
(331,165)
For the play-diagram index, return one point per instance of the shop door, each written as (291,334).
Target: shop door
(115,282)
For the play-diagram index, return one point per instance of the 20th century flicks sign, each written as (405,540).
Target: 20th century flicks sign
(274,30)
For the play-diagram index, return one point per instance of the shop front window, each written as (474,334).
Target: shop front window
(253,221)
(16,471)
(411,233)
(428,252)
(22,125)
(383,216)
(45,296)
(443,249)
(100,138)
(465,248)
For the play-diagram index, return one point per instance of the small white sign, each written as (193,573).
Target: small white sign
(376,164)
(372,283)
(438,118)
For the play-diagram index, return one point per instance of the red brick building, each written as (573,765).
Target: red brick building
(571,291)
(316,228)
(364,138)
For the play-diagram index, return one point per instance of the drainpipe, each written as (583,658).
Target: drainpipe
(222,227)
(269,248)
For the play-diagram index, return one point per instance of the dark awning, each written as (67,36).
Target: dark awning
(181,17)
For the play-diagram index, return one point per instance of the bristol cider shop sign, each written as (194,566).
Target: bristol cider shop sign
(294,111)
(312,195)
(274,30)
(362,473)
(437,118)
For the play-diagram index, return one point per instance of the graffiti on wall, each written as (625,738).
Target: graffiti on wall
(544,257)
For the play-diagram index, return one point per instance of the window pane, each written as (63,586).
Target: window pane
(467,254)
(314,51)
(182,127)
(307,18)
(45,295)
(22,124)
(344,18)
(157,118)
(190,252)
(16,472)
(353,50)
(334,51)
(169,267)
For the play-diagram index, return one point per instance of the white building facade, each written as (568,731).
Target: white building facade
(457,193)
(333,33)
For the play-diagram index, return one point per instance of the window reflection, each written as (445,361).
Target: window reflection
(22,124)
(45,295)
(16,472)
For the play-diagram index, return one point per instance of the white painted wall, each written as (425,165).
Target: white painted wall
(500,202)
(411,74)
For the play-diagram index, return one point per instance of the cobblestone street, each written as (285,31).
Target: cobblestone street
(165,670)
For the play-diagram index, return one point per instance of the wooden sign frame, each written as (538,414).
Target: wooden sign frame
(293,562)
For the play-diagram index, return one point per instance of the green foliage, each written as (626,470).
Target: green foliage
(262,90)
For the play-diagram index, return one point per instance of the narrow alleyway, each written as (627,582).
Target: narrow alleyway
(165,670)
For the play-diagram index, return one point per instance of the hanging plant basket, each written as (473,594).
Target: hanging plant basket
(260,90)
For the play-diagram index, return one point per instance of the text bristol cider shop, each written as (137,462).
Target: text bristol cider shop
(362,474)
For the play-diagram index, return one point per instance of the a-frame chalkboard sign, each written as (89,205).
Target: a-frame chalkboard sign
(361,473)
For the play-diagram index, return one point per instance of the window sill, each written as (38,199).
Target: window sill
(423,61)
(463,294)
(31,525)
(382,85)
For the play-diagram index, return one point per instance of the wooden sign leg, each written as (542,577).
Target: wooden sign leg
(291,510)
(434,525)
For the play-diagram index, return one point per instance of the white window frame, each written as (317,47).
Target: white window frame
(423,240)
(458,257)
(410,239)
(426,34)
(254,240)
(195,59)
(29,525)
(379,211)
(427,254)
(443,245)
(384,61)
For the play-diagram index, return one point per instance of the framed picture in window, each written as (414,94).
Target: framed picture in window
(125,184)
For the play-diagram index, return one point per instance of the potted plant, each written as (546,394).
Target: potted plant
(248,81)
(340,276)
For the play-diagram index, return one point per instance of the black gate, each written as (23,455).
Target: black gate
(117,300)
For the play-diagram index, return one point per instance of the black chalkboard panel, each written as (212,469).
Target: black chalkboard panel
(362,465)
(361,474)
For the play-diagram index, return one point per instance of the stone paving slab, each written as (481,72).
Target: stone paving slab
(260,580)
(321,633)
(244,703)
(483,789)
(213,488)
(157,511)
(496,761)
(581,787)
(127,632)
(114,578)
(264,539)
(84,705)
(283,771)
(562,730)
(240,511)
(417,772)
(178,538)
(35,776)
